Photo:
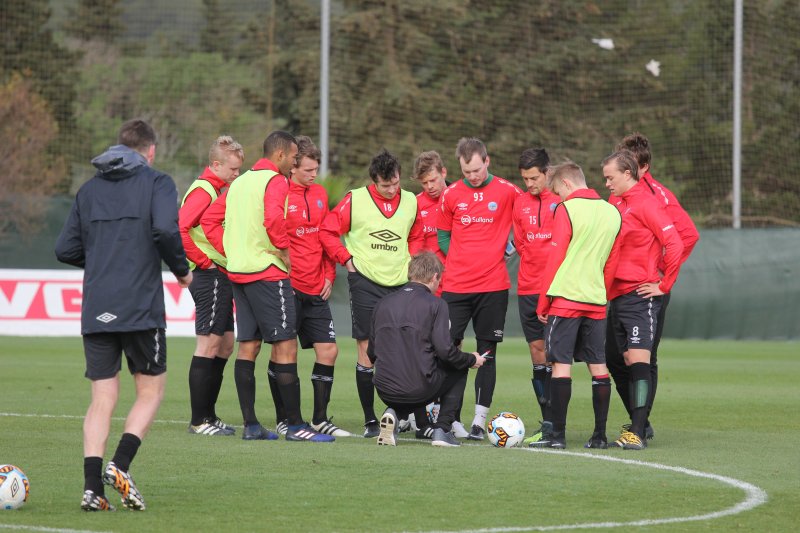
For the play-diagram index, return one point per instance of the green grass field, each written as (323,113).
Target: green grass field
(724,409)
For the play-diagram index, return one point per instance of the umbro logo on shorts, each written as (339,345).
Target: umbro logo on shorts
(106,317)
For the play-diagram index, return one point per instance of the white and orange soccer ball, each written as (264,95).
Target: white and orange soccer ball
(14,487)
(505,430)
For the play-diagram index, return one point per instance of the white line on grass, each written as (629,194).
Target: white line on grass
(48,529)
(755,496)
(81,417)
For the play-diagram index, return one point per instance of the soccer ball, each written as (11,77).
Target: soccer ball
(506,430)
(14,487)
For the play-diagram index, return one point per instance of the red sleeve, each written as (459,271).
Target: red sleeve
(686,228)
(336,224)
(445,218)
(275,211)
(328,268)
(188,218)
(612,262)
(416,237)
(662,227)
(517,230)
(211,222)
(328,264)
(562,235)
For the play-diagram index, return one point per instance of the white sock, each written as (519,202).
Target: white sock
(480,416)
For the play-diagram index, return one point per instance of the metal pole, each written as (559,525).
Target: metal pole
(737,114)
(325,37)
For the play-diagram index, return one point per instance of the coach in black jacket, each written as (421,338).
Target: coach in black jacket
(414,357)
(123,223)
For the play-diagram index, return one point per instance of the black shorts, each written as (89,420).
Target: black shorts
(314,320)
(634,321)
(364,294)
(146,352)
(487,310)
(264,311)
(579,339)
(533,329)
(213,300)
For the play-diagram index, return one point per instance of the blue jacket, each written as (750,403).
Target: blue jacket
(123,222)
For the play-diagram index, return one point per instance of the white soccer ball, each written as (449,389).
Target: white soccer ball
(14,487)
(506,430)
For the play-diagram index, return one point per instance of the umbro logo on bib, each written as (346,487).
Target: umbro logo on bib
(385,235)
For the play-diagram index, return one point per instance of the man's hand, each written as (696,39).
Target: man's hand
(479,360)
(185,281)
(326,290)
(648,290)
(542,318)
(349,265)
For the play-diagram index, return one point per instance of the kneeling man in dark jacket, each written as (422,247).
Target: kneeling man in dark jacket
(414,357)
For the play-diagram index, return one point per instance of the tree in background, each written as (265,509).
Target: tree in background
(28,49)
(26,130)
(220,30)
(95,20)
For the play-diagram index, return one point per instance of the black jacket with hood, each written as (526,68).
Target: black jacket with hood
(123,222)
(410,345)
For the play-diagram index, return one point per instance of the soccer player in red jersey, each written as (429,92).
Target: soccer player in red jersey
(248,225)
(579,270)
(381,231)
(210,289)
(639,145)
(473,229)
(648,236)
(533,229)
(430,172)
(312,275)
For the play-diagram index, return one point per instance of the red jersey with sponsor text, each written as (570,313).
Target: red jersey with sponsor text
(533,229)
(683,222)
(479,222)
(647,233)
(306,208)
(428,213)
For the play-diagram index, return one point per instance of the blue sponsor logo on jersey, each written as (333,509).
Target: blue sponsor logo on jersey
(553,206)
(492,206)
(319,203)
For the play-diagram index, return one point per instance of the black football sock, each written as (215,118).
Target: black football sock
(639,392)
(653,387)
(218,373)
(201,379)
(289,386)
(486,376)
(560,394)
(126,451)
(245,377)
(601,398)
(421,417)
(277,401)
(615,361)
(92,472)
(366,391)
(322,383)
(541,387)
